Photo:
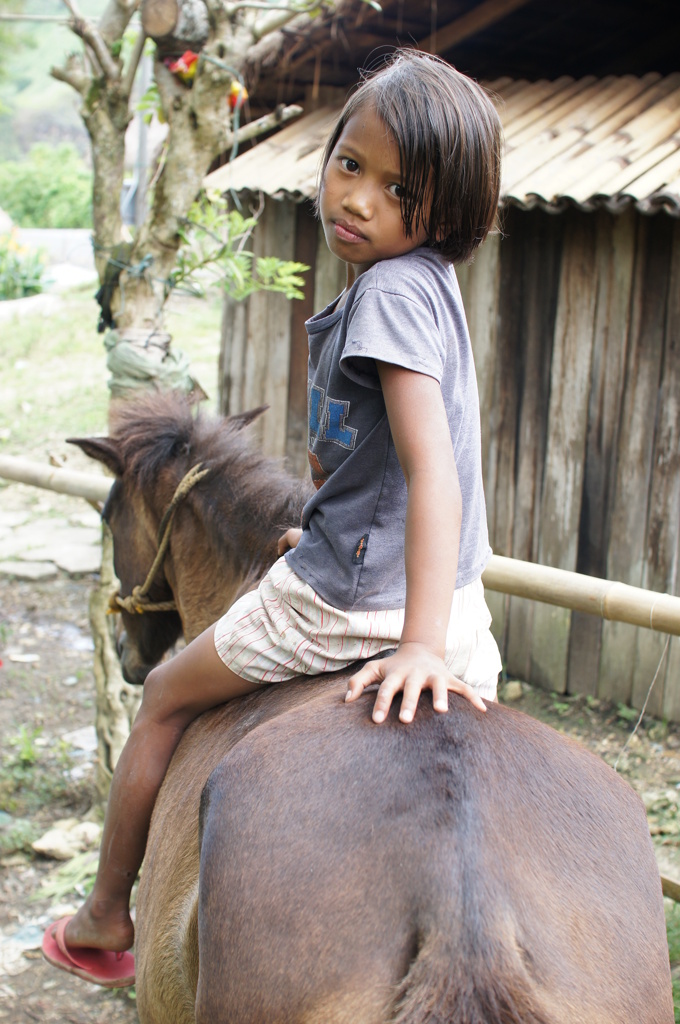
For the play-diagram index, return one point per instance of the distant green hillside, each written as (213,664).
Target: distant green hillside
(38,108)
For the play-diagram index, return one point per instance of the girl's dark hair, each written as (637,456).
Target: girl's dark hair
(449,137)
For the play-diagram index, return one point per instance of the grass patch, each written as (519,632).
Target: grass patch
(32,777)
(73,878)
(53,376)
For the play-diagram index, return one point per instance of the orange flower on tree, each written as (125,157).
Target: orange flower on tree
(185,66)
(238,94)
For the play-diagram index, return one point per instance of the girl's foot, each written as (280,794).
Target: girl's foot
(98,926)
(112,970)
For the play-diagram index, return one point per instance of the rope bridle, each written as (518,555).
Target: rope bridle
(138,601)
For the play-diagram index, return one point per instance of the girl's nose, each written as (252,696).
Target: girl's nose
(358,201)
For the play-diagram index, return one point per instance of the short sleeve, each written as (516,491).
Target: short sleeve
(394,328)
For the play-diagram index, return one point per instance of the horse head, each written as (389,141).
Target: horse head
(219,535)
(142,638)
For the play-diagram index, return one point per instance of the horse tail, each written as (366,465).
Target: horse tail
(493,987)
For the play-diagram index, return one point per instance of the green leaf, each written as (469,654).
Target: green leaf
(628,714)
(214,253)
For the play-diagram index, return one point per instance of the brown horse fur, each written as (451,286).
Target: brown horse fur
(464,869)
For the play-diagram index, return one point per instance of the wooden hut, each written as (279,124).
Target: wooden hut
(574,309)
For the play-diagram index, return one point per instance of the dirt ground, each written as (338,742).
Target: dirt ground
(46,775)
(46,694)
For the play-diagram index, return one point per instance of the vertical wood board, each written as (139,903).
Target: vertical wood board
(330,274)
(500,471)
(279,240)
(537,278)
(479,285)
(671,700)
(615,239)
(232,355)
(567,417)
(306,240)
(663,519)
(267,352)
(627,534)
(671,705)
(479,290)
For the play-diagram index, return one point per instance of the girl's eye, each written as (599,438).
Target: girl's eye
(348,164)
(398,191)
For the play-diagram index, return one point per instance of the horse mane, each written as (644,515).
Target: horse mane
(165,429)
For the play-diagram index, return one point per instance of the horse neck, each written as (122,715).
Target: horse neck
(208,569)
(202,589)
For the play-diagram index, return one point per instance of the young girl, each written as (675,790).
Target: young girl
(409,185)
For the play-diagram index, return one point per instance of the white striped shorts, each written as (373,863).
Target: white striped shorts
(284,629)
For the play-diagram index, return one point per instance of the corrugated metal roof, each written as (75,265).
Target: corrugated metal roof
(588,142)
(286,163)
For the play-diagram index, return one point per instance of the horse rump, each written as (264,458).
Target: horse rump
(445,986)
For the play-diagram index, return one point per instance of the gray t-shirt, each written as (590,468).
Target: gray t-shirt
(406,311)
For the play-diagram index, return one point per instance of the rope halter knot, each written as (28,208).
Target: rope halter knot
(138,601)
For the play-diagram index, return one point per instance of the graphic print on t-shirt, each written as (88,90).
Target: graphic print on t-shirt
(328,423)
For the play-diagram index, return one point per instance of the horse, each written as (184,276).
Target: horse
(305,866)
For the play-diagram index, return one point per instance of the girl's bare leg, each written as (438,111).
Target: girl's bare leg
(175,693)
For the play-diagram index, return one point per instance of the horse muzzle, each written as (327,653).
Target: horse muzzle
(134,669)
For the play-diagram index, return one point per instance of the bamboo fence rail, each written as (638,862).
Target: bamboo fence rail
(605,598)
(54,478)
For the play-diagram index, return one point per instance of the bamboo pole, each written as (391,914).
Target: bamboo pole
(608,599)
(670,888)
(54,478)
(34,17)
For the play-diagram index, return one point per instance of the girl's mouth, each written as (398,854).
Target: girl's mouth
(347,233)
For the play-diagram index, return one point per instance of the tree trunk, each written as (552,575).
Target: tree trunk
(117,702)
(134,275)
(178,24)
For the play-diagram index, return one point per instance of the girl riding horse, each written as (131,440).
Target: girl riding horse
(394,540)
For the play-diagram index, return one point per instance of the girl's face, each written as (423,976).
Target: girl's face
(359,201)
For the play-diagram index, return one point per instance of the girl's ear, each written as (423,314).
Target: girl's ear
(102,449)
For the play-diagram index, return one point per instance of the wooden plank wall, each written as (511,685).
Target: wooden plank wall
(575,324)
(582,436)
(263,355)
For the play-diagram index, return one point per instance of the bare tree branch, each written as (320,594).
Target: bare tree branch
(280,17)
(34,17)
(262,5)
(135,57)
(73,76)
(263,124)
(115,18)
(89,34)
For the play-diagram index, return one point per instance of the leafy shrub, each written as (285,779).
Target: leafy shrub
(50,188)
(21,269)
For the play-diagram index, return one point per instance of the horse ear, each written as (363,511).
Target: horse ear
(244,419)
(103,449)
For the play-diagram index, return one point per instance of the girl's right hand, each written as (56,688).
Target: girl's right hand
(288,540)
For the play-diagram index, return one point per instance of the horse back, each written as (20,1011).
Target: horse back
(467,867)
(166,945)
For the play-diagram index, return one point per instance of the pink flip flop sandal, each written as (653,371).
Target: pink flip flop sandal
(112,970)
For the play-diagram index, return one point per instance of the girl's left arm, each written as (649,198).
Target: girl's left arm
(420,429)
